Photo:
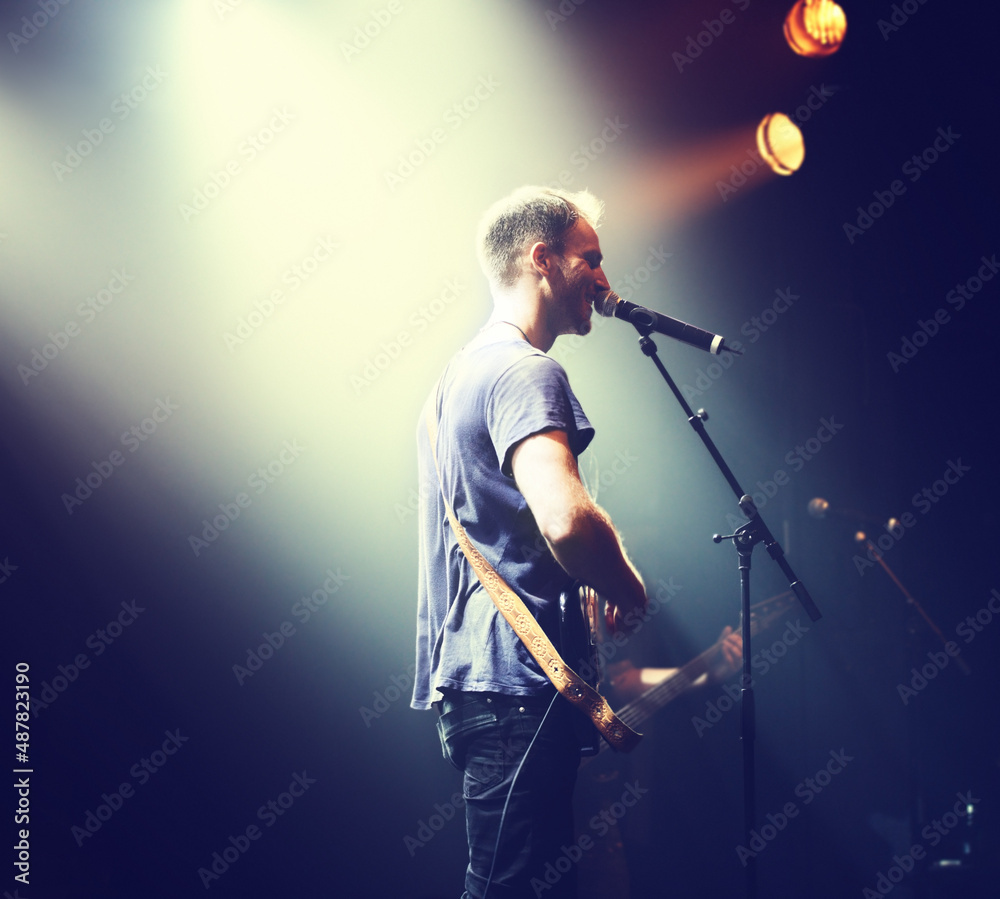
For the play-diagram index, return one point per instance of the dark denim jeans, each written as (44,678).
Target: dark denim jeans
(485,736)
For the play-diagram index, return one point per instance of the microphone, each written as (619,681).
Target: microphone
(613,306)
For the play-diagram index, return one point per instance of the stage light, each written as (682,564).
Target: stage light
(780,143)
(815,27)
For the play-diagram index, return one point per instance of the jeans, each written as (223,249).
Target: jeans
(485,736)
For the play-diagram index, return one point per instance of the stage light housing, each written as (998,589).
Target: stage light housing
(815,27)
(780,143)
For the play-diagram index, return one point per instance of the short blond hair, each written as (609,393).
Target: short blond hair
(511,226)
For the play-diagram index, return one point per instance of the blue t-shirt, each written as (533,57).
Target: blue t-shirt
(491,397)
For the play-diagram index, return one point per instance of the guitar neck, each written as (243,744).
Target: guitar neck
(656,697)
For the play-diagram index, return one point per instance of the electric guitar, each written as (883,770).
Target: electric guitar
(579,632)
(579,609)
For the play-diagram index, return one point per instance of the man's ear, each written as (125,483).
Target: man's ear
(540,256)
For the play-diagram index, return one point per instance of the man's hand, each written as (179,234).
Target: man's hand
(614,618)
(730,655)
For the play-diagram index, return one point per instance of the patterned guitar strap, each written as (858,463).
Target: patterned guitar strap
(618,734)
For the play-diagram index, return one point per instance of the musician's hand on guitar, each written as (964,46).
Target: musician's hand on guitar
(616,620)
(611,617)
(627,611)
(730,655)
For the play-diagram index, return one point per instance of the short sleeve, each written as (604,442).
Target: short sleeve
(532,396)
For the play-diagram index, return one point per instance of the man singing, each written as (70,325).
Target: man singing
(508,430)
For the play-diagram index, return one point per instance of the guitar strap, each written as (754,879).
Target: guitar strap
(512,607)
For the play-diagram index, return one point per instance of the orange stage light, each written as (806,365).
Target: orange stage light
(780,143)
(815,27)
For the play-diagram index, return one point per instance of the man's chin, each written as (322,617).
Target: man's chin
(583,329)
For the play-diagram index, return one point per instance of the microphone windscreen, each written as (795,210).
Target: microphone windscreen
(605,305)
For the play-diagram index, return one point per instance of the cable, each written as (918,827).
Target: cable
(510,792)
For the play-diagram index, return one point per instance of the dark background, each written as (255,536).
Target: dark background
(379,780)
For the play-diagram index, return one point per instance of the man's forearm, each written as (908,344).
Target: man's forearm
(577,530)
(590,550)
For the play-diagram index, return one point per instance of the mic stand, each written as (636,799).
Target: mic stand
(875,554)
(744,539)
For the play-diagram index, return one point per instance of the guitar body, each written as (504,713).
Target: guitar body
(578,611)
